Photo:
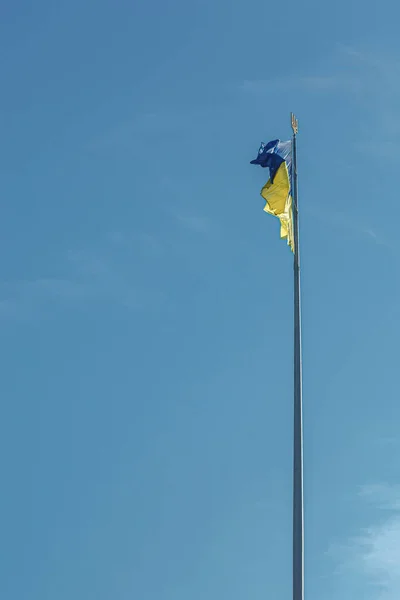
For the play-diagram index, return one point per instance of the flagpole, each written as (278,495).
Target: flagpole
(298,504)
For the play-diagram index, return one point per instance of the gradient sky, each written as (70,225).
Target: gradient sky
(146,300)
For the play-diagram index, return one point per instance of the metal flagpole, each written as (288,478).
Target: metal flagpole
(298,507)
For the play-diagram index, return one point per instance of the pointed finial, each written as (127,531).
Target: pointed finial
(295,124)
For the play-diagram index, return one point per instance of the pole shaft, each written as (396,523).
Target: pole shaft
(298,504)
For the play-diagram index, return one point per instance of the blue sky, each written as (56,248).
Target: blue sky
(146,300)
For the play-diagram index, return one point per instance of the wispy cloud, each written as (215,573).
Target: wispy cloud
(370,561)
(382,495)
(86,277)
(145,126)
(378,239)
(352,225)
(21,298)
(136,242)
(309,83)
(369,78)
(196,223)
(389,441)
(379,73)
(103,279)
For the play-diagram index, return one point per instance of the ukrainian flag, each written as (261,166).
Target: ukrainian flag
(277,156)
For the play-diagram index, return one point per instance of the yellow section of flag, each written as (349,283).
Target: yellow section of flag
(279,202)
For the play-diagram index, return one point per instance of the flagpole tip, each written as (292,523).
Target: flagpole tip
(295,124)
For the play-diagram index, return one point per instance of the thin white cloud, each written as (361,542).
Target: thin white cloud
(88,277)
(382,495)
(379,239)
(330,82)
(352,225)
(379,75)
(21,298)
(370,561)
(145,126)
(105,279)
(146,243)
(389,441)
(196,223)
(309,83)
(370,79)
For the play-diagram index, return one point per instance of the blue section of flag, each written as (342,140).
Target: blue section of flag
(272,155)
(267,157)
